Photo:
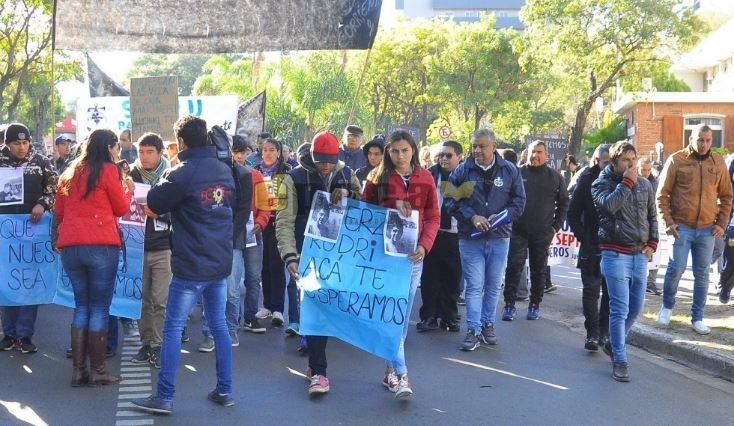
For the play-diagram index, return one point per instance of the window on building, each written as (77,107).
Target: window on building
(716,125)
(399,4)
(502,14)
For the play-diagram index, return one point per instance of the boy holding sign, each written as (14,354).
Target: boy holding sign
(32,178)
(320,170)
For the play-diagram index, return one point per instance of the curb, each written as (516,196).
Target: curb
(681,351)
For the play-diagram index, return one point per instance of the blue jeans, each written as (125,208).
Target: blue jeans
(92,270)
(232,310)
(399,362)
(700,243)
(253,274)
(181,298)
(484,263)
(626,276)
(19,321)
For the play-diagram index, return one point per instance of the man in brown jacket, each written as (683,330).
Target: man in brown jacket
(694,197)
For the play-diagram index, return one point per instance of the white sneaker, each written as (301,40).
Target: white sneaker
(263,313)
(404,390)
(278,319)
(701,328)
(664,315)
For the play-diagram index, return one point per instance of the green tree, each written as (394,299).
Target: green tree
(595,42)
(222,75)
(27,92)
(186,67)
(478,71)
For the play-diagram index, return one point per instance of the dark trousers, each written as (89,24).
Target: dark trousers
(273,273)
(727,275)
(317,354)
(596,316)
(441,278)
(19,321)
(535,248)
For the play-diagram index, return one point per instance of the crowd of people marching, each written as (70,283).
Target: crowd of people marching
(482,214)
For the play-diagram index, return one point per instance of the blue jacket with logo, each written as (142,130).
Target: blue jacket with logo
(485,193)
(199,193)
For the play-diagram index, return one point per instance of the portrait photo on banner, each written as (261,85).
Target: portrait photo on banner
(325,218)
(11,186)
(401,233)
(135,214)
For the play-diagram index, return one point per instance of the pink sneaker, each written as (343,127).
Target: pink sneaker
(404,390)
(390,381)
(319,385)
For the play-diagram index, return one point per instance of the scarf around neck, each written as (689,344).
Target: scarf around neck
(151,177)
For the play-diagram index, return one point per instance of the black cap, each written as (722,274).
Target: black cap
(354,130)
(62,139)
(17,132)
(377,141)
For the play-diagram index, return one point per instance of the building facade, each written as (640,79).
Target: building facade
(669,117)
(507,12)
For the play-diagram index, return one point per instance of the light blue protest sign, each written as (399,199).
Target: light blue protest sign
(352,290)
(27,261)
(127,297)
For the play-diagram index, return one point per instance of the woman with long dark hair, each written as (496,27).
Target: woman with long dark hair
(399,182)
(274,168)
(91,197)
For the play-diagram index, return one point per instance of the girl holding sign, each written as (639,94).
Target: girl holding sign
(90,199)
(399,182)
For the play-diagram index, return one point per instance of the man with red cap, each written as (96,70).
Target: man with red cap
(319,170)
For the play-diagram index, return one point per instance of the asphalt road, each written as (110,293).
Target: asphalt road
(538,374)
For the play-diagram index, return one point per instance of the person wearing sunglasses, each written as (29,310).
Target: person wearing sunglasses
(441,275)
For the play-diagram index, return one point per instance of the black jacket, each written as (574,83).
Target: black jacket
(154,240)
(547,201)
(582,216)
(199,193)
(39,181)
(243,205)
(627,214)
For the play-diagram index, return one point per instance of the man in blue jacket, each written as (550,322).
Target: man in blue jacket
(199,193)
(486,187)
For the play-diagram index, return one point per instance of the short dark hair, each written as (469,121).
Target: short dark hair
(535,143)
(619,148)
(151,139)
(509,155)
(192,130)
(458,149)
(572,160)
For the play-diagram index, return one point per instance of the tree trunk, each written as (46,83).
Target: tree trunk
(577,131)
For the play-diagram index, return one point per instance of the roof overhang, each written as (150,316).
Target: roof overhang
(631,99)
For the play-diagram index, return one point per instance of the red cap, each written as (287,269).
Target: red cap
(325,148)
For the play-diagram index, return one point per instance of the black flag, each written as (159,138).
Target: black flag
(100,84)
(251,117)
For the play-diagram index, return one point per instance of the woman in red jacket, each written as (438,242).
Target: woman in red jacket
(399,182)
(91,197)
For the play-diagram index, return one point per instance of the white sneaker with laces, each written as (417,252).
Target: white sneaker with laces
(263,313)
(278,319)
(664,315)
(404,390)
(701,328)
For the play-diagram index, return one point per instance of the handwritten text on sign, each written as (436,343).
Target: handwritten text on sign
(154,105)
(31,271)
(27,261)
(352,290)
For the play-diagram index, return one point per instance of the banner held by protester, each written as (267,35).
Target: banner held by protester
(27,261)
(351,289)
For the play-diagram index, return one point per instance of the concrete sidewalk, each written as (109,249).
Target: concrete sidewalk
(713,353)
